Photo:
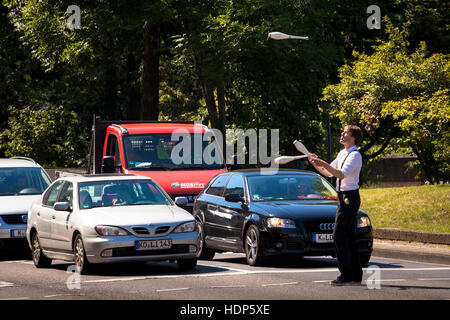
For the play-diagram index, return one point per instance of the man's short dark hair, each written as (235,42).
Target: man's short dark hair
(355,132)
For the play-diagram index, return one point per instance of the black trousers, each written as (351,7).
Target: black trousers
(347,252)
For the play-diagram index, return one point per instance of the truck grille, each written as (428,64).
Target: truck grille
(14,218)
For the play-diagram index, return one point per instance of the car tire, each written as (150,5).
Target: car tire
(365,258)
(79,255)
(187,264)
(39,259)
(253,246)
(204,252)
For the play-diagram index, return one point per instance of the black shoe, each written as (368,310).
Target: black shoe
(342,282)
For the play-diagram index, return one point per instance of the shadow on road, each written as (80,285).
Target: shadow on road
(153,268)
(10,255)
(284,261)
(414,287)
(298,262)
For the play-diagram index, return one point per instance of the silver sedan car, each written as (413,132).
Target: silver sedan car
(110,218)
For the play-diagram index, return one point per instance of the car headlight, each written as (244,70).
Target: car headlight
(110,231)
(362,222)
(186,227)
(275,222)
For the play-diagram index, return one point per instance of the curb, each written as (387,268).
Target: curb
(411,235)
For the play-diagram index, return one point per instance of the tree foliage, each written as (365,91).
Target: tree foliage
(400,98)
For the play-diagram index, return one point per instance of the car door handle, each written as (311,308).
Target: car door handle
(38,213)
(53,217)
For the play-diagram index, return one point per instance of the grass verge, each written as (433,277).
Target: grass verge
(425,208)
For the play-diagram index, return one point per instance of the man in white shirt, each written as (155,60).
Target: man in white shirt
(346,168)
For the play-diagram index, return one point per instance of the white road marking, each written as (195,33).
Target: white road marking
(21,298)
(387,280)
(279,284)
(434,279)
(18,261)
(237,271)
(230,286)
(175,289)
(4,284)
(63,295)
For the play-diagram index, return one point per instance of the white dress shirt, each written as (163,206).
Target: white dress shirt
(351,168)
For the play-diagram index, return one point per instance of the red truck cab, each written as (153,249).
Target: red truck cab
(145,148)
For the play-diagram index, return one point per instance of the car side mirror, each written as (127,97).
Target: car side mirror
(62,206)
(233,197)
(108,165)
(181,201)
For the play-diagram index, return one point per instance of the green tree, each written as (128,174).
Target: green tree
(388,91)
(52,137)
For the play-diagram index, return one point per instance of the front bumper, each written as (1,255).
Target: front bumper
(279,241)
(11,237)
(122,248)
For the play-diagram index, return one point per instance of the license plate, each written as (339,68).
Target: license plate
(153,244)
(322,237)
(19,233)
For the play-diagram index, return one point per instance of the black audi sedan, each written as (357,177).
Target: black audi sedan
(262,213)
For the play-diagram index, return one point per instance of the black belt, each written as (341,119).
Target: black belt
(349,191)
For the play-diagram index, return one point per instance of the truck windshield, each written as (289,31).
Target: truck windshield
(120,193)
(22,181)
(159,152)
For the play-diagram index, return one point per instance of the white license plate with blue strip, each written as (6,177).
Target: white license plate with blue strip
(323,237)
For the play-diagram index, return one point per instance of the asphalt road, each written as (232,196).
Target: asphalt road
(226,277)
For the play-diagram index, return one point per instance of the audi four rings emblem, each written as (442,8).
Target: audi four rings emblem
(326,226)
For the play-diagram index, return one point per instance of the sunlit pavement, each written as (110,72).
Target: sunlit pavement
(225,277)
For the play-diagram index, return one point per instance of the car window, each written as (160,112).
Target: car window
(66,194)
(235,185)
(218,186)
(112,149)
(22,181)
(290,187)
(120,193)
(52,194)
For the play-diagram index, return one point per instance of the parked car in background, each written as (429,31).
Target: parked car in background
(110,218)
(22,181)
(272,213)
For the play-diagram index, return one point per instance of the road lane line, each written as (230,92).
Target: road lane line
(279,284)
(4,284)
(237,271)
(63,295)
(175,289)
(20,298)
(230,286)
(434,279)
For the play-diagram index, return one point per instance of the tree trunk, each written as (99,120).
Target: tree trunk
(150,78)
(110,105)
(423,163)
(132,91)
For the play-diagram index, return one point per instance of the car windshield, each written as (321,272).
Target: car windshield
(160,152)
(290,187)
(22,181)
(120,193)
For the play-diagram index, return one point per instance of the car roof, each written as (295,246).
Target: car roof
(18,162)
(103,177)
(268,172)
